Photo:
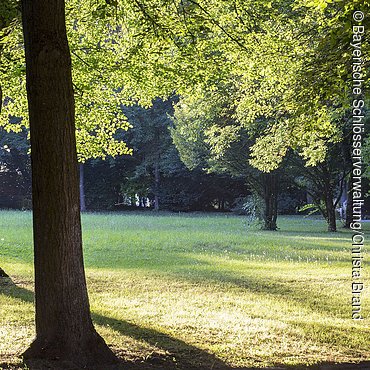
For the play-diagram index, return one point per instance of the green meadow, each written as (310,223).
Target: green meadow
(209,290)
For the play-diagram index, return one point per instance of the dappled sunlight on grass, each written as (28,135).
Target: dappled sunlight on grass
(194,289)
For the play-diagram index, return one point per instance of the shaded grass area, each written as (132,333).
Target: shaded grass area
(201,291)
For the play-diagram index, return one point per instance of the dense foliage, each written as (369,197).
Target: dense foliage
(278,56)
(256,82)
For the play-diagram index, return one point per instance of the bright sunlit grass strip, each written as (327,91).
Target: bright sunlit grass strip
(186,286)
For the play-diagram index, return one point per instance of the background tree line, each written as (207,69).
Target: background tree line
(176,167)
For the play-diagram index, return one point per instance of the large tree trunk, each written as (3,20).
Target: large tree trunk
(64,329)
(270,200)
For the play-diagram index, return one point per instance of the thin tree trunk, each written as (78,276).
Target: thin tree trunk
(156,186)
(82,189)
(270,199)
(349,208)
(330,211)
(64,328)
(328,199)
(332,225)
(133,201)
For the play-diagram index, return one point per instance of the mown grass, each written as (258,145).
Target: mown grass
(201,290)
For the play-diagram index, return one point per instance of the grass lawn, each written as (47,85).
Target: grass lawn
(184,290)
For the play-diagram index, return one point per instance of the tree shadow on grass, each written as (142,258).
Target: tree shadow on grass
(294,291)
(178,355)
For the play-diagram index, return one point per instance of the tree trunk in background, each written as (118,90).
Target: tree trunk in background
(330,211)
(156,186)
(347,155)
(133,201)
(271,201)
(82,189)
(349,209)
(328,197)
(64,329)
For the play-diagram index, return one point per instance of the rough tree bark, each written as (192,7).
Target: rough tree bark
(64,329)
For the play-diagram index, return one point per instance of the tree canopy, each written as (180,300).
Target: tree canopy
(277,55)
